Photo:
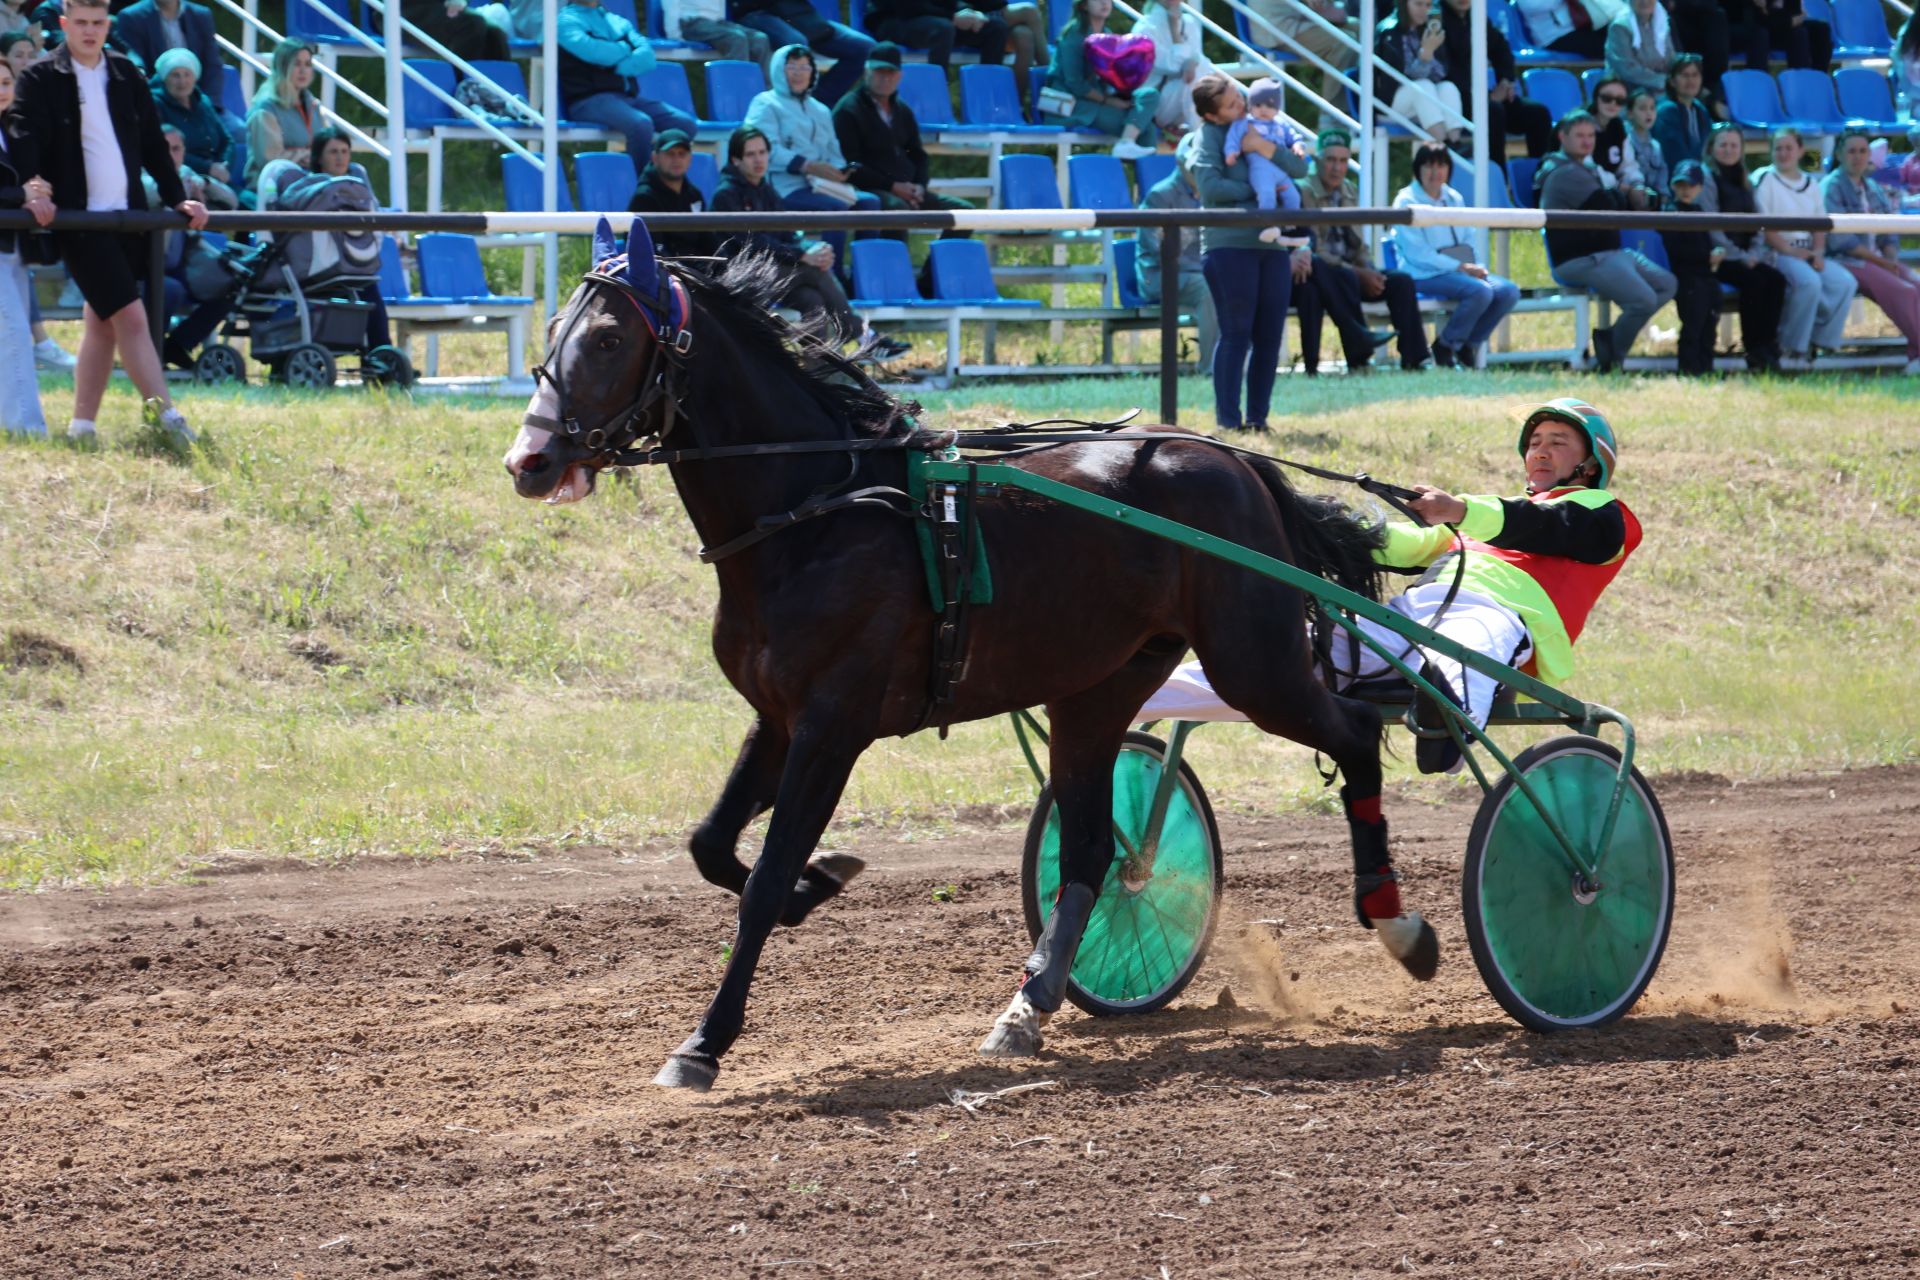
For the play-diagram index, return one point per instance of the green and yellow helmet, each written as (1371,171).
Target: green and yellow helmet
(1591,422)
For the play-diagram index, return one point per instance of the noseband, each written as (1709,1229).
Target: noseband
(668,317)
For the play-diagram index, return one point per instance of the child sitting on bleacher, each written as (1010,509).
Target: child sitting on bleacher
(1272,188)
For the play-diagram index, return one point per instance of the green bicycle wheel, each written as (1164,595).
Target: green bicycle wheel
(1553,952)
(1144,942)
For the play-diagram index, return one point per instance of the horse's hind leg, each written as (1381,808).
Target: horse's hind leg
(1085,735)
(749,792)
(1268,677)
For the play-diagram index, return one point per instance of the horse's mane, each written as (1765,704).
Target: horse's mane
(741,297)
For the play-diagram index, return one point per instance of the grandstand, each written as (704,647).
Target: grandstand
(407,102)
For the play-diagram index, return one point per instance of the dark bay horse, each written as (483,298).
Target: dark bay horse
(826,629)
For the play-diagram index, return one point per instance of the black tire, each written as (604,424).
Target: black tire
(385,366)
(1555,954)
(219,363)
(310,367)
(1033,883)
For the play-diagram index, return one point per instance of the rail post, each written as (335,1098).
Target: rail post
(1170,326)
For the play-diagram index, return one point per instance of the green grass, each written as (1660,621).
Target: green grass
(334,631)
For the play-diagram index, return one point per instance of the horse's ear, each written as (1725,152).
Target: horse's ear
(604,246)
(643,272)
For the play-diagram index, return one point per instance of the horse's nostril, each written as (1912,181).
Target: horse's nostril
(534,464)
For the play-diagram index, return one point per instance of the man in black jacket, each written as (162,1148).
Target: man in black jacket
(881,140)
(938,25)
(84,125)
(666,188)
(1507,111)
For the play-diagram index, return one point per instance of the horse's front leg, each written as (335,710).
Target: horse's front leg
(818,763)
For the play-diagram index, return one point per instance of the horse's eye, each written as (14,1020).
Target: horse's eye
(609,341)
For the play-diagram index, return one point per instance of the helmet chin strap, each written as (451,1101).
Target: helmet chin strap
(1571,478)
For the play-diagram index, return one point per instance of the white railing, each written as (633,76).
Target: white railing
(253,63)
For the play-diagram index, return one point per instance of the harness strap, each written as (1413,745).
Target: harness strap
(880,496)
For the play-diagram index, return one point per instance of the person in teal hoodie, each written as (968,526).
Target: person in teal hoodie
(602,58)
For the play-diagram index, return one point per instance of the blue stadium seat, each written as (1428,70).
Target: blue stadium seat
(1866,96)
(1861,25)
(509,75)
(624,9)
(703,173)
(1808,98)
(1520,171)
(450,268)
(987,97)
(1462,181)
(1096,180)
(607,179)
(830,10)
(1589,81)
(1648,243)
(306,21)
(393,273)
(1520,40)
(923,87)
(883,276)
(667,83)
(731,86)
(1126,280)
(526,186)
(1027,181)
(232,97)
(963,276)
(1148,170)
(423,109)
(1554,88)
(1753,98)
(1276,51)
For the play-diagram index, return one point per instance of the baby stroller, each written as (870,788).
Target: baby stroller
(295,299)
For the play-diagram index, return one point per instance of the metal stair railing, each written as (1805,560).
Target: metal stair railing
(254,63)
(1247,52)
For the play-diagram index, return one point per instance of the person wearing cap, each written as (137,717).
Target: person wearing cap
(1177,191)
(664,187)
(1513,578)
(1341,274)
(183,105)
(1693,257)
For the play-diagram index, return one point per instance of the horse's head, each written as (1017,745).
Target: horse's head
(607,382)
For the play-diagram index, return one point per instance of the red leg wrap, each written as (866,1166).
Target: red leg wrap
(1383,903)
(1364,810)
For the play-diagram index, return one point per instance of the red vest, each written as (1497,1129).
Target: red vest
(1572,586)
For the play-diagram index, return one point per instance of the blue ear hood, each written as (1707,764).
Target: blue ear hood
(665,308)
(603,243)
(643,271)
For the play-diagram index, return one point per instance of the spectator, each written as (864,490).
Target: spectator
(1342,275)
(1413,42)
(85,147)
(1640,46)
(1507,112)
(1874,260)
(1441,262)
(521,19)
(1251,279)
(809,171)
(1592,257)
(1643,149)
(207,190)
(1609,110)
(745,188)
(20,410)
(1177,63)
(1701,26)
(152,27)
(180,104)
(601,58)
(1906,66)
(1273,185)
(464,33)
(19,49)
(706,21)
(881,142)
(1819,290)
(1761,26)
(1177,191)
(1681,124)
(1578,27)
(1291,24)
(19,21)
(1692,256)
(788,22)
(665,188)
(1097,105)
(938,25)
(1743,260)
(284,114)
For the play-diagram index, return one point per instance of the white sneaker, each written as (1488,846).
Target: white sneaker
(48,354)
(81,431)
(168,419)
(1124,150)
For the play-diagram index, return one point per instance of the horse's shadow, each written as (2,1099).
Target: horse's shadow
(1260,1055)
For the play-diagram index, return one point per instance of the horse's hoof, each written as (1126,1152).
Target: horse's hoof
(824,878)
(1016,1033)
(1412,942)
(695,1071)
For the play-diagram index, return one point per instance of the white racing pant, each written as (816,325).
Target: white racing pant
(1474,621)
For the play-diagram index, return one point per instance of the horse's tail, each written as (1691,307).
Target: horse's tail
(1327,537)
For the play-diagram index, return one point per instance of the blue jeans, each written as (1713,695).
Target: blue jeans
(807,200)
(638,118)
(19,384)
(1251,290)
(1482,305)
(847,47)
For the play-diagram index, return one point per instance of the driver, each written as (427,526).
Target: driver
(1529,570)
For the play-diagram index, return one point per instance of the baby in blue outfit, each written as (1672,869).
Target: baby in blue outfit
(1272,188)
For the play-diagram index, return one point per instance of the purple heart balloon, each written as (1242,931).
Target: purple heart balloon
(1124,62)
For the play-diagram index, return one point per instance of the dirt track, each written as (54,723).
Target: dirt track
(442,1070)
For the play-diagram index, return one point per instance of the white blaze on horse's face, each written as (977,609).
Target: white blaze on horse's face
(531,444)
